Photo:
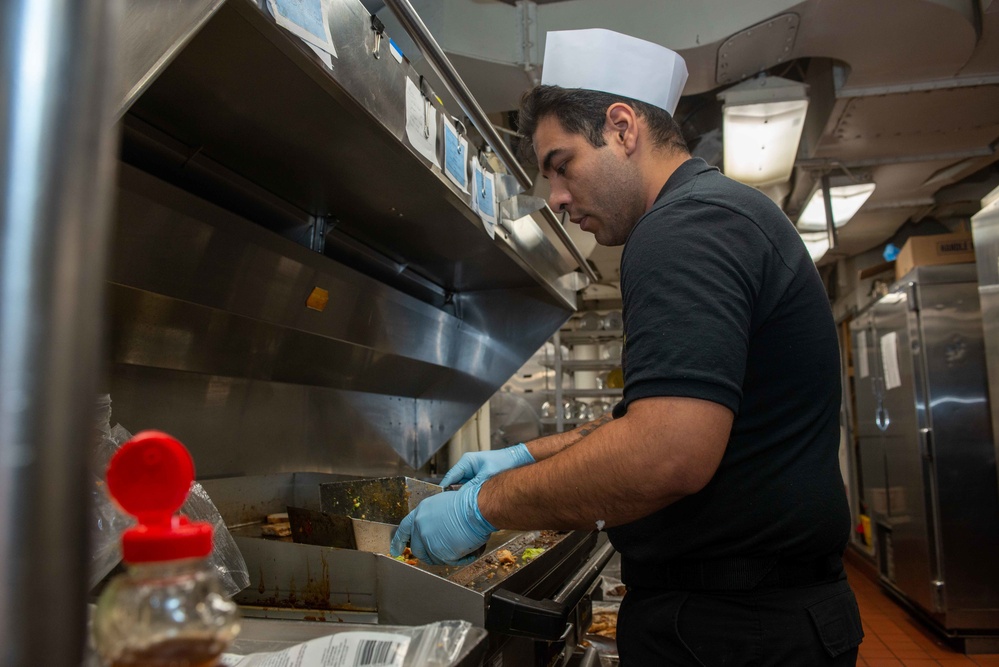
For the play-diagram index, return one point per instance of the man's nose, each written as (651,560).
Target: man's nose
(559,199)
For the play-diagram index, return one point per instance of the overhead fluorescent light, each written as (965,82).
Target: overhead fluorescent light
(817,244)
(762,120)
(846,201)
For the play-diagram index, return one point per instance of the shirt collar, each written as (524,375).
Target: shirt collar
(684,173)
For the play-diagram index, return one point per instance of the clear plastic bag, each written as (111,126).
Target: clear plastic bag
(435,645)
(108,522)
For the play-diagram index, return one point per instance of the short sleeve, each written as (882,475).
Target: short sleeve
(691,273)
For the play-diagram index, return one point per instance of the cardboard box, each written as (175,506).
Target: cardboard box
(932,250)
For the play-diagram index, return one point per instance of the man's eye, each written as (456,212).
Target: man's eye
(560,170)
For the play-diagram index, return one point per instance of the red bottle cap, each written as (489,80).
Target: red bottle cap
(150,477)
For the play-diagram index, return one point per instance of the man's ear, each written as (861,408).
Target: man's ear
(622,124)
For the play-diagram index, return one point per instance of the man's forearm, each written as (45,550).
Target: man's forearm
(622,471)
(569,490)
(546,447)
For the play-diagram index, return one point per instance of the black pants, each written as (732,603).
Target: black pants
(798,627)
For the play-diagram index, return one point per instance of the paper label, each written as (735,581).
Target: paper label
(863,366)
(395,50)
(325,57)
(484,196)
(889,360)
(455,155)
(421,123)
(346,649)
(307,19)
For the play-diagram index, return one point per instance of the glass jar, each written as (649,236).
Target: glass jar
(165,614)
(611,351)
(612,321)
(589,321)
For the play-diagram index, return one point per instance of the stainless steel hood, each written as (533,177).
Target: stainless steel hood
(254,175)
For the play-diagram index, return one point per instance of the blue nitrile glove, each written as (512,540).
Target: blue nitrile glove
(480,466)
(444,528)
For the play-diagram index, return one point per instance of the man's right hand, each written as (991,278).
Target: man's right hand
(480,466)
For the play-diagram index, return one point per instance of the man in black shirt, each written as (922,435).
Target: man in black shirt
(718,477)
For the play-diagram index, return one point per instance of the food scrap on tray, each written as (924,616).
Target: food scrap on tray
(276,525)
(407,557)
(604,624)
(506,558)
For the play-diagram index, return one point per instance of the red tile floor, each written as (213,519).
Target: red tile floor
(893,637)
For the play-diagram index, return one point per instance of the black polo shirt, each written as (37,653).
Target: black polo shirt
(722,302)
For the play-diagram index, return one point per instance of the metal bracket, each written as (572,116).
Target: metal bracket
(926,443)
(530,40)
(379,28)
(317,241)
(912,297)
(937,588)
(881,418)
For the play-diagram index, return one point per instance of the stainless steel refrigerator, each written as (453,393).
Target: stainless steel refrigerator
(926,451)
(985,230)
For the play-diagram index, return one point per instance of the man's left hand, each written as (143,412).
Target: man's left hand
(444,529)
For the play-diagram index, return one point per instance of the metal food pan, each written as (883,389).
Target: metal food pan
(382,499)
(330,530)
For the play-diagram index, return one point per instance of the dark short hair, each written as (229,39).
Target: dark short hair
(583,112)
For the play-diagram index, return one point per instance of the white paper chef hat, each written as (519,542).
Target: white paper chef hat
(604,60)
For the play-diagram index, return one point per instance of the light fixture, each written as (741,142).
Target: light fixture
(846,201)
(817,244)
(762,120)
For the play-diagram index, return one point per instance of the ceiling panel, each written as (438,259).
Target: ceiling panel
(911,124)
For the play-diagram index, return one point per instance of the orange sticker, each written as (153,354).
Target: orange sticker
(318,299)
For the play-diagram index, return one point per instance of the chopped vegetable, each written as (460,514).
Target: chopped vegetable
(531,554)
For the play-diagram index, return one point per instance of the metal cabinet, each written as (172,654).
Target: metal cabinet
(926,449)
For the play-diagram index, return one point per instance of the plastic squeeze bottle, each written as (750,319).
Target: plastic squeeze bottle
(169,608)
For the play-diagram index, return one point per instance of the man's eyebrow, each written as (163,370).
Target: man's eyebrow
(546,165)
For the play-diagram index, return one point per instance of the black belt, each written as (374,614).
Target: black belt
(731,574)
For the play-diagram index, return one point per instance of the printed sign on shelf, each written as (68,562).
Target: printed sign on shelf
(306,19)
(421,123)
(484,196)
(455,155)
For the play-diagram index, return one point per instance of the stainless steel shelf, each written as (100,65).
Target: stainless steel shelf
(603,334)
(585,364)
(551,421)
(586,393)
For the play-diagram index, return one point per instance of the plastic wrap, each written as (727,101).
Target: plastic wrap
(108,522)
(225,558)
